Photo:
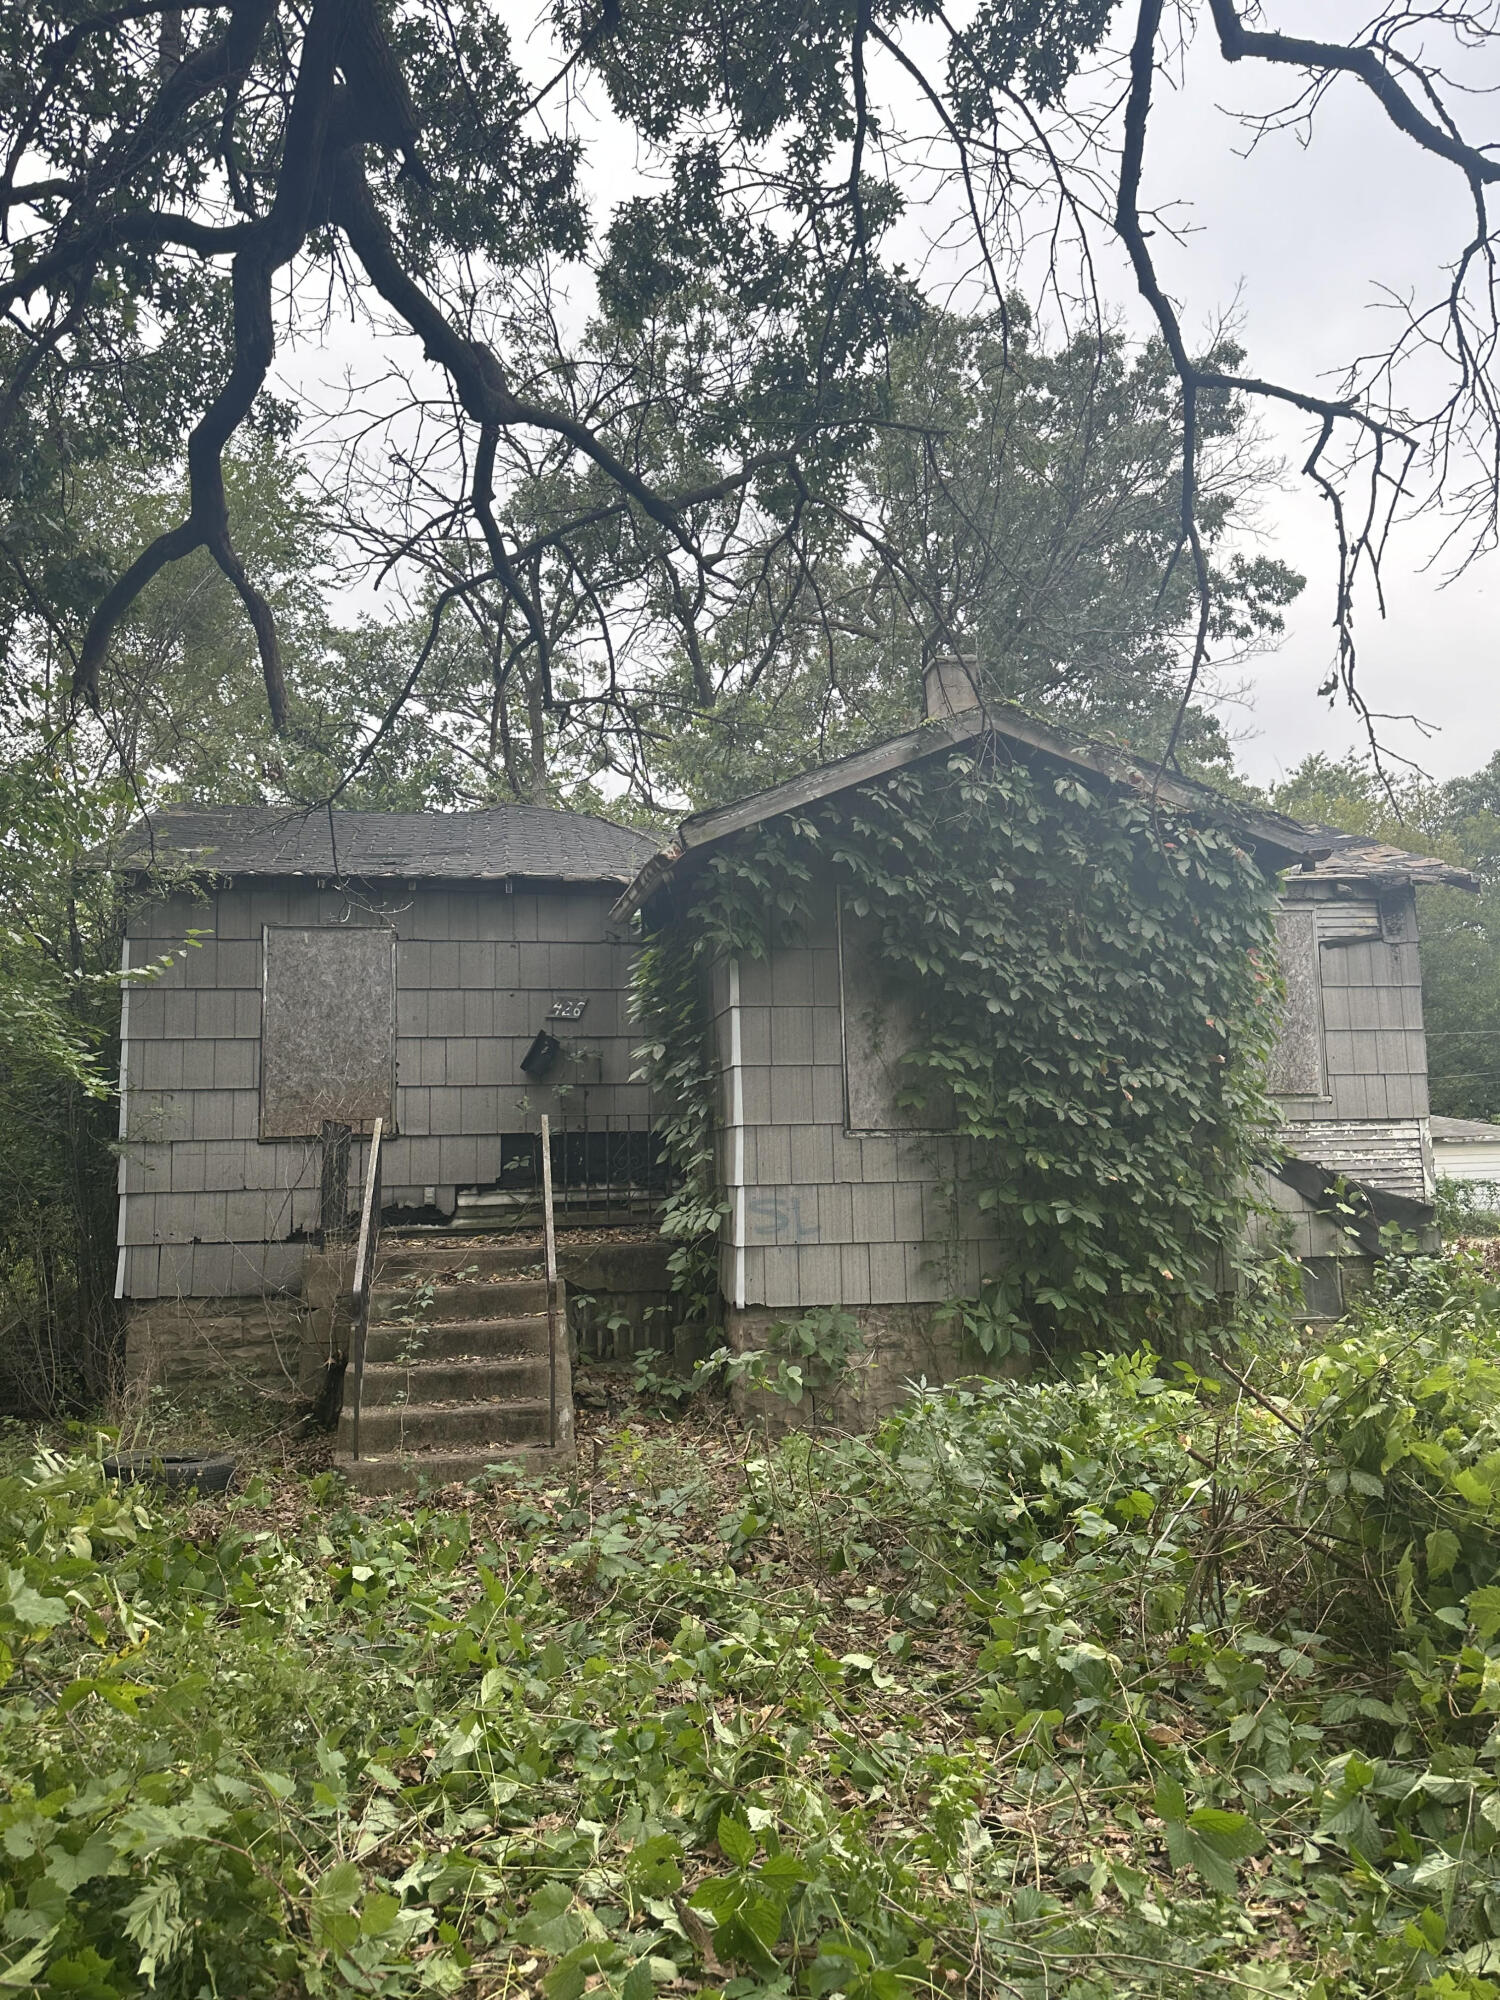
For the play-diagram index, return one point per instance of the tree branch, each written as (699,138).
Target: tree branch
(1237,42)
(473,367)
(273,243)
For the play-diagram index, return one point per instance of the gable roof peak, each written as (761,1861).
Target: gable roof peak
(1285,842)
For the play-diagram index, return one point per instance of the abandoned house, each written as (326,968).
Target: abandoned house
(833,1189)
(456,976)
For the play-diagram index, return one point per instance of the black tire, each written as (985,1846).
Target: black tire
(209,1474)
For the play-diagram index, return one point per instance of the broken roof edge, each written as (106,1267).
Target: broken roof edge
(1287,839)
(1360,857)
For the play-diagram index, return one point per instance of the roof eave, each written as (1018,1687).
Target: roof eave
(1425,875)
(1284,842)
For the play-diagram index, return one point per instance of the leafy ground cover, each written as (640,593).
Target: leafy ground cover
(1131,1681)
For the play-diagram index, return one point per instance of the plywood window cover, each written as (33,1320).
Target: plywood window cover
(1297,1067)
(850,1012)
(292,1111)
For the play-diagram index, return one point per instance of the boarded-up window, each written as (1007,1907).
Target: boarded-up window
(328,1029)
(1297,1062)
(881,1027)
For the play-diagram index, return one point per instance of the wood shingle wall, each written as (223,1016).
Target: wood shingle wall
(819,1214)
(208,1210)
(1368,1118)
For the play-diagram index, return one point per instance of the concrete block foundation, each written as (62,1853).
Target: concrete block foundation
(901,1345)
(217,1346)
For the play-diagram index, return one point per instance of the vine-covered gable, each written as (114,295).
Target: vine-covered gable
(1090,972)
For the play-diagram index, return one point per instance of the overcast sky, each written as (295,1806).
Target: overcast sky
(1300,236)
(1295,240)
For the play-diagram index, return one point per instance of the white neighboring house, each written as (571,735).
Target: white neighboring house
(1466,1149)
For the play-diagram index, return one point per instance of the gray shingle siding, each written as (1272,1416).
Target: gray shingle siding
(202,1199)
(826,1216)
(1369,1121)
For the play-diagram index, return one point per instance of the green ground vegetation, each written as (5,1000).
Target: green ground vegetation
(1118,1680)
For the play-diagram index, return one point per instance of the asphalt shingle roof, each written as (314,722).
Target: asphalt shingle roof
(534,842)
(1357,854)
(1280,840)
(1465,1130)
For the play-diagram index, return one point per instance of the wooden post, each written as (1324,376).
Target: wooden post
(364,1269)
(550,1233)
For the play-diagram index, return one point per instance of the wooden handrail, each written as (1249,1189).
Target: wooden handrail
(549,1231)
(364,1267)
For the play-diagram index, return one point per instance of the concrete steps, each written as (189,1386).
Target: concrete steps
(445,1260)
(457,1340)
(397,1426)
(461,1299)
(405,1471)
(473,1379)
(456,1368)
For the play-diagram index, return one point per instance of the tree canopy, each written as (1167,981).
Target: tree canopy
(665,378)
(1022,494)
(1028,490)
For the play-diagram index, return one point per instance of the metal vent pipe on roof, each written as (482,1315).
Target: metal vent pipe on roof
(950,685)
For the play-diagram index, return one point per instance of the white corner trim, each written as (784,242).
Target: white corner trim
(120,1164)
(736,1134)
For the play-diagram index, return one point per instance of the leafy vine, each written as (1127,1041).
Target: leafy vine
(1092,977)
(669,1004)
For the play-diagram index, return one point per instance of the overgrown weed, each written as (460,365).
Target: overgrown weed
(1136,1680)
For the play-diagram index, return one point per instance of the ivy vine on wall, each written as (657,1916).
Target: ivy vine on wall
(669,1005)
(1092,975)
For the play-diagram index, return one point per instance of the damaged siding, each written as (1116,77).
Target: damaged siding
(1387,1154)
(209,1210)
(1358,980)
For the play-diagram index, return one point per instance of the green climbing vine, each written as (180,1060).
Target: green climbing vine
(1091,975)
(669,1005)
(757,897)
